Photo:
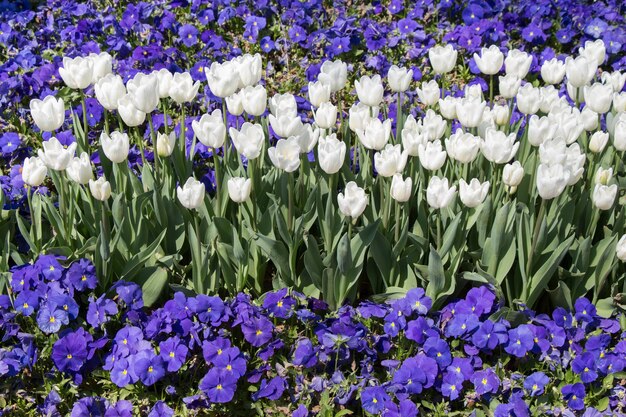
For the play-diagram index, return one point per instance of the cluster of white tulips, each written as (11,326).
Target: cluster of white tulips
(465,144)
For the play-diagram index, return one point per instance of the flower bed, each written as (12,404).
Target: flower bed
(287,354)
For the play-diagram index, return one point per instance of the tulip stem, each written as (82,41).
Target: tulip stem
(537,229)
(104,232)
(154,151)
(165,123)
(399,118)
(33,222)
(218,188)
(491,90)
(439,230)
(226,150)
(105,114)
(290,194)
(252,175)
(397,229)
(141,147)
(85,125)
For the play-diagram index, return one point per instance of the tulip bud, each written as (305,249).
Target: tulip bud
(254,100)
(55,155)
(474,193)
(165,79)
(438,194)
(352,201)
(574,163)
(283,105)
(182,88)
(34,171)
(429,93)
(248,140)
(144,92)
(619,102)
(223,78)
(391,160)
(286,125)
(239,189)
(433,125)
(589,119)
(77,73)
(165,143)
(100,189)
(528,99)
(598,141)
(500,114)
(250,69)
(603,176)
(490,60)
(79,169)
(620,250)
(130,114)
(447,107)
(619,135)
(498,147)
(470,111)
(442,58)
(604,196)
(401,189)
(116,146)
(331,153)
(579,71)
(109,90)
(48,114)
(432,156)
(399,78)
(598,97)
(540,130)
(210,129)
(286,154)
(102,65)
(512,175)
(615,79)
(326,116)
(553,71)
(412,136)
(370,90)
(473,91)
(549,97)
(191,194)
(376,134)
(463,147)
(234,103)
(551,180)
(318,93)
(334,74)
(517,63)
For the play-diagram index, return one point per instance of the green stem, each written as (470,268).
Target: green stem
(218,184)
(491,91)
(141,147)
(290,193)
(399,120)
(105,114)
(438,230)
(252,174)
(537,229)
(33,222)
(85,146)
(397,229)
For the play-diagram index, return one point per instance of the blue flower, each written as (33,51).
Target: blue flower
(219,385)
(535,383)
(574,394)
(161,409)
(51,320)
(521,340)
(174,353)
(585,366)
(485,382)
(373,399)
(149,368)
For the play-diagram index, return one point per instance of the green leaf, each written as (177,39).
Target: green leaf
(155,282)
(277,252)
(138,260)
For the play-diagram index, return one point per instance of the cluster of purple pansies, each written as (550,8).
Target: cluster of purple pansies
(294,356)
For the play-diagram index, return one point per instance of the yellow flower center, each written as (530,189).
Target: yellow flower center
(484,381)
(52,319)
(279,304)
(219,351)
(229,368)
(259,332)
(375,401)
(125,372)
(25,305)
(172,354)
(150,369)
(83,278)
(69,356)
(219,386)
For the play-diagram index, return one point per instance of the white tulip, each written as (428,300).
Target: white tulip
(375,134)
(551,180)
(498,147)
(115,146)
(248,140)
(447,107)
(474,193)
(412,136)
(331,153)
(250,69)
(359,115)
(619,102)
(239,189)
(182,88)
(463,147)
(34,171)
(100,189)
(553,151)
(165,144)
(579,71)
(490,60)
(55,155)
(283,105)
(130,114)
(594,51)
(433,125)
(144,92)
(575,163)
(620,250)
(352,201)
(500,114)
(540,130)
(509,85)
(165,78)
(473,91)
(549,97)
(77,73)
(307,138)
(102,65)
(48,114)
(224,78)
(553,71)
(528,99)
(286,154)
(512,174)
(568,126)
(318,93)
(370,90)
(334,74)
(399,78)
(234,103)
(401,189)
(442,58)
(286,125)
(470,111)
(254,100)
(432,156)
(598,141)
(438,194)
(109,90)
(191,194)
(429,93)
(604,196)
(619,135)
(326,115)
(79,169)
(210,129)
(391,160)
(517,63)
(603,176)
(598,97)
(615,79)
(589,119)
